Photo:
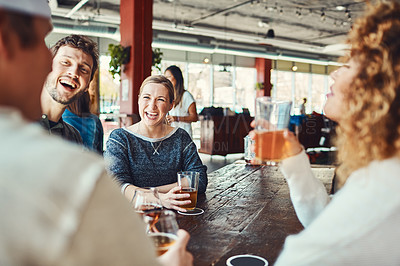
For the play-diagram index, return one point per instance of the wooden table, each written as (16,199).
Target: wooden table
(247,211)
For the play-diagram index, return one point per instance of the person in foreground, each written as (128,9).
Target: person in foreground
(150,153)
(184,112)
(359,225)
(75,60)
(56,209)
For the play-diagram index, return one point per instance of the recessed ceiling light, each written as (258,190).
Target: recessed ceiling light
(340,8)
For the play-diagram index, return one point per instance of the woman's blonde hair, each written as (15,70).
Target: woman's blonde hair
(160,79)
(370,128)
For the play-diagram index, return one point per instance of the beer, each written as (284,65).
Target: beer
(193,197)
(269,145)
(150,213)
(163,241)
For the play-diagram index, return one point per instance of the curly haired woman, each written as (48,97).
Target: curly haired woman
(359,225)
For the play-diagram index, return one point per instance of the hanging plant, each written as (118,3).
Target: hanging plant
(259,86)
(157,58)
(119,56)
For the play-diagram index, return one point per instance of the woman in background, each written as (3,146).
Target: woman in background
(89,125)
(184,111)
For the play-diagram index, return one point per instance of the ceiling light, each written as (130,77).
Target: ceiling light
(340,8)
(294,67)
(263,24)
(206,60)
(270,34)
(323,17)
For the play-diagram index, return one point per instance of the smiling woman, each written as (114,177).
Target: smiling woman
(151,152)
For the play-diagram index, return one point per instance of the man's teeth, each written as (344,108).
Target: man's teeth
(68,84)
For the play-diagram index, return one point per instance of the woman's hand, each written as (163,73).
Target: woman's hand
(171,118)
(171,200)
(177,255)
(292,145)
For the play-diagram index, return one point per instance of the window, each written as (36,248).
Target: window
(223,90)
(245,89)
(108,88)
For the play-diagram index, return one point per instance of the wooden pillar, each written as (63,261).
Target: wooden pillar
(263,67)
(136,31)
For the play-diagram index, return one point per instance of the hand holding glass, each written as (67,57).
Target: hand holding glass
(272,119)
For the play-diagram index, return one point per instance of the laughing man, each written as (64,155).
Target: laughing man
(75,60)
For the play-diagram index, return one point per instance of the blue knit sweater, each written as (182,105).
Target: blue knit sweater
(147,162)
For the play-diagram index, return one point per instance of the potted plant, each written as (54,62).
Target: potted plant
(157,58)
(119,56)
(259,86)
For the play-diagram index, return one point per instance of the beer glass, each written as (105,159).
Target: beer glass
(164,231)
(272,119)
(147,203)
(189,181)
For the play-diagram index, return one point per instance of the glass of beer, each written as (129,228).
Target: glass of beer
(146,202)
(164,231)
(272,119)
(189,181)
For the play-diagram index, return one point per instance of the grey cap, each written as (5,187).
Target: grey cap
(30,7)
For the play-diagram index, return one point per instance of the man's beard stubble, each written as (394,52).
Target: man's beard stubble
(52,90)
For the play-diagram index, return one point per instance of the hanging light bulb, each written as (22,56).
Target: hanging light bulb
(348,15)
(323,17)
(294,67)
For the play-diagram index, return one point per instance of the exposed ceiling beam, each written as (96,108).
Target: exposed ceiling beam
(76,8)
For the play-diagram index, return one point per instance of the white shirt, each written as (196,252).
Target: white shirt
(182,109)
(359,226)
(58,206)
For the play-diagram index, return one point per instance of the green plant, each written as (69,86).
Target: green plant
(259,86)
(119,56)
(156,62)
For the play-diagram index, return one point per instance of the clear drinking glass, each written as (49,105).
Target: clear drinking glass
(147,203)
(189,181)
(272,119)
(164,231)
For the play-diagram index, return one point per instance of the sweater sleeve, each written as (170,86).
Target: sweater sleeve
(192,162)
(117,158)
(307,193)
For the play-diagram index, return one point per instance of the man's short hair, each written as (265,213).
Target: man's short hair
(21,25)
(82,43)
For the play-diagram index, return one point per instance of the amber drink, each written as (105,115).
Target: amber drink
(193,197)
(163,241)
(189,183)
(269,145)
(272,119)
(164,233)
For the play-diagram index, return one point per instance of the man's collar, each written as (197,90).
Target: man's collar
(51,124)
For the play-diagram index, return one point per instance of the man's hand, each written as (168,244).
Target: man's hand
(177,255)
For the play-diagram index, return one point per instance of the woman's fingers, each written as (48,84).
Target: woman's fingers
(292,144)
